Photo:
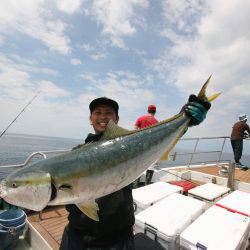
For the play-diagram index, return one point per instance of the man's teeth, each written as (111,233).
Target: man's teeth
(103,123)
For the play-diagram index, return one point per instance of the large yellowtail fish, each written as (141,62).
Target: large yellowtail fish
(96,169)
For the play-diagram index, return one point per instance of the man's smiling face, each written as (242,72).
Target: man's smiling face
(100,117)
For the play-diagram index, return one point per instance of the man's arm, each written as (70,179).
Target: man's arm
(247,131)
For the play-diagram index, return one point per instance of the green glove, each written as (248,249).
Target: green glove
(196,109)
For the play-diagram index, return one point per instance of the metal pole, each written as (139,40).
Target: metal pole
(222,149)
(195,147)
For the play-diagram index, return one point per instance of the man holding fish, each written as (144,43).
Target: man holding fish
(116,215)
(94,179)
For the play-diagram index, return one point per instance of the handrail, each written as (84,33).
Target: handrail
(42,153)
(195,152)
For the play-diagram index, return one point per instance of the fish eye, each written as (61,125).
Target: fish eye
(14,185)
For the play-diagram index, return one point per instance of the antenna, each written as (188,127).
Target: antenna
(20,113)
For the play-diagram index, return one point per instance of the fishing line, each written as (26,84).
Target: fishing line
(20,113)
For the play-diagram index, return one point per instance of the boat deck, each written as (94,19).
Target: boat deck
(240,175)
(51,224)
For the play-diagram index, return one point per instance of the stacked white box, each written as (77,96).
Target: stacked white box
(209,192)
(146,196)
(166,219)
(237,201)
(217,229)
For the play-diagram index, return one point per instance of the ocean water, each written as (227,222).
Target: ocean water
(15,148)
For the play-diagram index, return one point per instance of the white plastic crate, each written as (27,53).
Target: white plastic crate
(166,219)
(209,192)
(217,229)
(237,201)
(146,196)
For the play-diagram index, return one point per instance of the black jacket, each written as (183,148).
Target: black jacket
(116,216)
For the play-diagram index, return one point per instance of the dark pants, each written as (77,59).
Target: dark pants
(237,146)
(149,175)
(73,241)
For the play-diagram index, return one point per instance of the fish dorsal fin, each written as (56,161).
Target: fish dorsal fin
(90,209)
(81,146)
(113,130)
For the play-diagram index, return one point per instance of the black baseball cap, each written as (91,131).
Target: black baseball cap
(103,101)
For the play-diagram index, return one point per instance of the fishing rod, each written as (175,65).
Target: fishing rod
(20,113)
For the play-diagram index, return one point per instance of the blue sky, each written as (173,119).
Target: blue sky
(138,52)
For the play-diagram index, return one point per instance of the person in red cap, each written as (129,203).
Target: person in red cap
(143,122)
(148,119)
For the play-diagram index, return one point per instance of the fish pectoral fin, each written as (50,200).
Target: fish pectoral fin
(90,209)
(113,130)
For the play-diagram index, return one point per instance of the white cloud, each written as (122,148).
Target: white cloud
(89,77)
(87,47)
(68,6)
(180,15)
(45,118)
(16,80)
(51,90)
(33,19)
(217,43)
(16,62)
(12,78)
(97,56)
(116,18)
(75,61)
(92,52)
(2,40)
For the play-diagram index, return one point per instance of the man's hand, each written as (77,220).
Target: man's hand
(196,109)
(246,135)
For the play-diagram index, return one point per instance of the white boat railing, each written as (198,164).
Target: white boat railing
(193,152)
(44,154)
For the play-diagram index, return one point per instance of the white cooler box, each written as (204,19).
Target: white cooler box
(165,220)
(210,193)
(237,202)
(146,196)
(217,229)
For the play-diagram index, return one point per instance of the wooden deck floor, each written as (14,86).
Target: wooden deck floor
(51,225)
(240,175)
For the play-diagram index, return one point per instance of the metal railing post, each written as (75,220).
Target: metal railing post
(223,144)
(192,155)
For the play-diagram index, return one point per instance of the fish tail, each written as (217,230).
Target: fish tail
(202,93)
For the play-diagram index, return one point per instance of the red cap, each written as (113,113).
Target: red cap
(151,107)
